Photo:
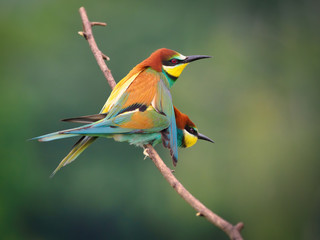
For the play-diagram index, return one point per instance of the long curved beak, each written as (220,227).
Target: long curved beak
(203,137)
(194,58)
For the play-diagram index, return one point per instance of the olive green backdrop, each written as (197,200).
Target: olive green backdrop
(258,98)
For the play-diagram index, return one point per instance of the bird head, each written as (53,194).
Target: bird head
(170,62)
(188,133)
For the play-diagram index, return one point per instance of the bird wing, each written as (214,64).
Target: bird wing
(136,121)
(163,102)
(118,90)
(138,90)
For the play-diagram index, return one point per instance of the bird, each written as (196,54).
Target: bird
(187,133)
(140,103)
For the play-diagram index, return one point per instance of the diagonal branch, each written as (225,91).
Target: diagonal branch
(233,231)
(202,210)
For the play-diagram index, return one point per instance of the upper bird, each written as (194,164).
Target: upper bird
(140,103)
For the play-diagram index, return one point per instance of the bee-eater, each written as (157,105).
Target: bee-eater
(140,103)
(187,132)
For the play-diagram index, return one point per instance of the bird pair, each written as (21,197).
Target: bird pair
(139,110)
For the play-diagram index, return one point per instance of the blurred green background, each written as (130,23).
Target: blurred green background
(258,98)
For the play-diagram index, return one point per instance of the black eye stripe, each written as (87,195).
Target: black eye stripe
(191,130)
(170,63)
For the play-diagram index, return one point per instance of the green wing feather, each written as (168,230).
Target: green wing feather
(163,102)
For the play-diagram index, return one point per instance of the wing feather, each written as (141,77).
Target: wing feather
(163,103)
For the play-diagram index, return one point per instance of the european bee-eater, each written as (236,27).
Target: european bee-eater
(187,132)
(139,104)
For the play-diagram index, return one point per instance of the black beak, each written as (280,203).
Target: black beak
(194,58)
(203,137)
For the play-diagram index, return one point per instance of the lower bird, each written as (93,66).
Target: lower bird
(187,132)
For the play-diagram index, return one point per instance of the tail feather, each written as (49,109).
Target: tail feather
(86,119)
(61,134)
(53,136)
(77,149)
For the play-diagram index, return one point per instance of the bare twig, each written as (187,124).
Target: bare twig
(98,24)
(87,32)
(232,231)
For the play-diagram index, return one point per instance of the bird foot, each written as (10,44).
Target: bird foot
(145,153)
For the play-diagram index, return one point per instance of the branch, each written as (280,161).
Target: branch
(232,231)
(87,33)
(202,210)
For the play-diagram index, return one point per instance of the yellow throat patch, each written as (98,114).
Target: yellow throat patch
(189,139)
(175,71)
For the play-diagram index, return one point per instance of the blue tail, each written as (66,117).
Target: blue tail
(53,136)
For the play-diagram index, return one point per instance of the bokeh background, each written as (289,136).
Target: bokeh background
(258,98)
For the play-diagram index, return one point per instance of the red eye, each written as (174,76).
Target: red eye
(174,61)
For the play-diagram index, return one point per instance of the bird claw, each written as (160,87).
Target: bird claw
(145,153)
